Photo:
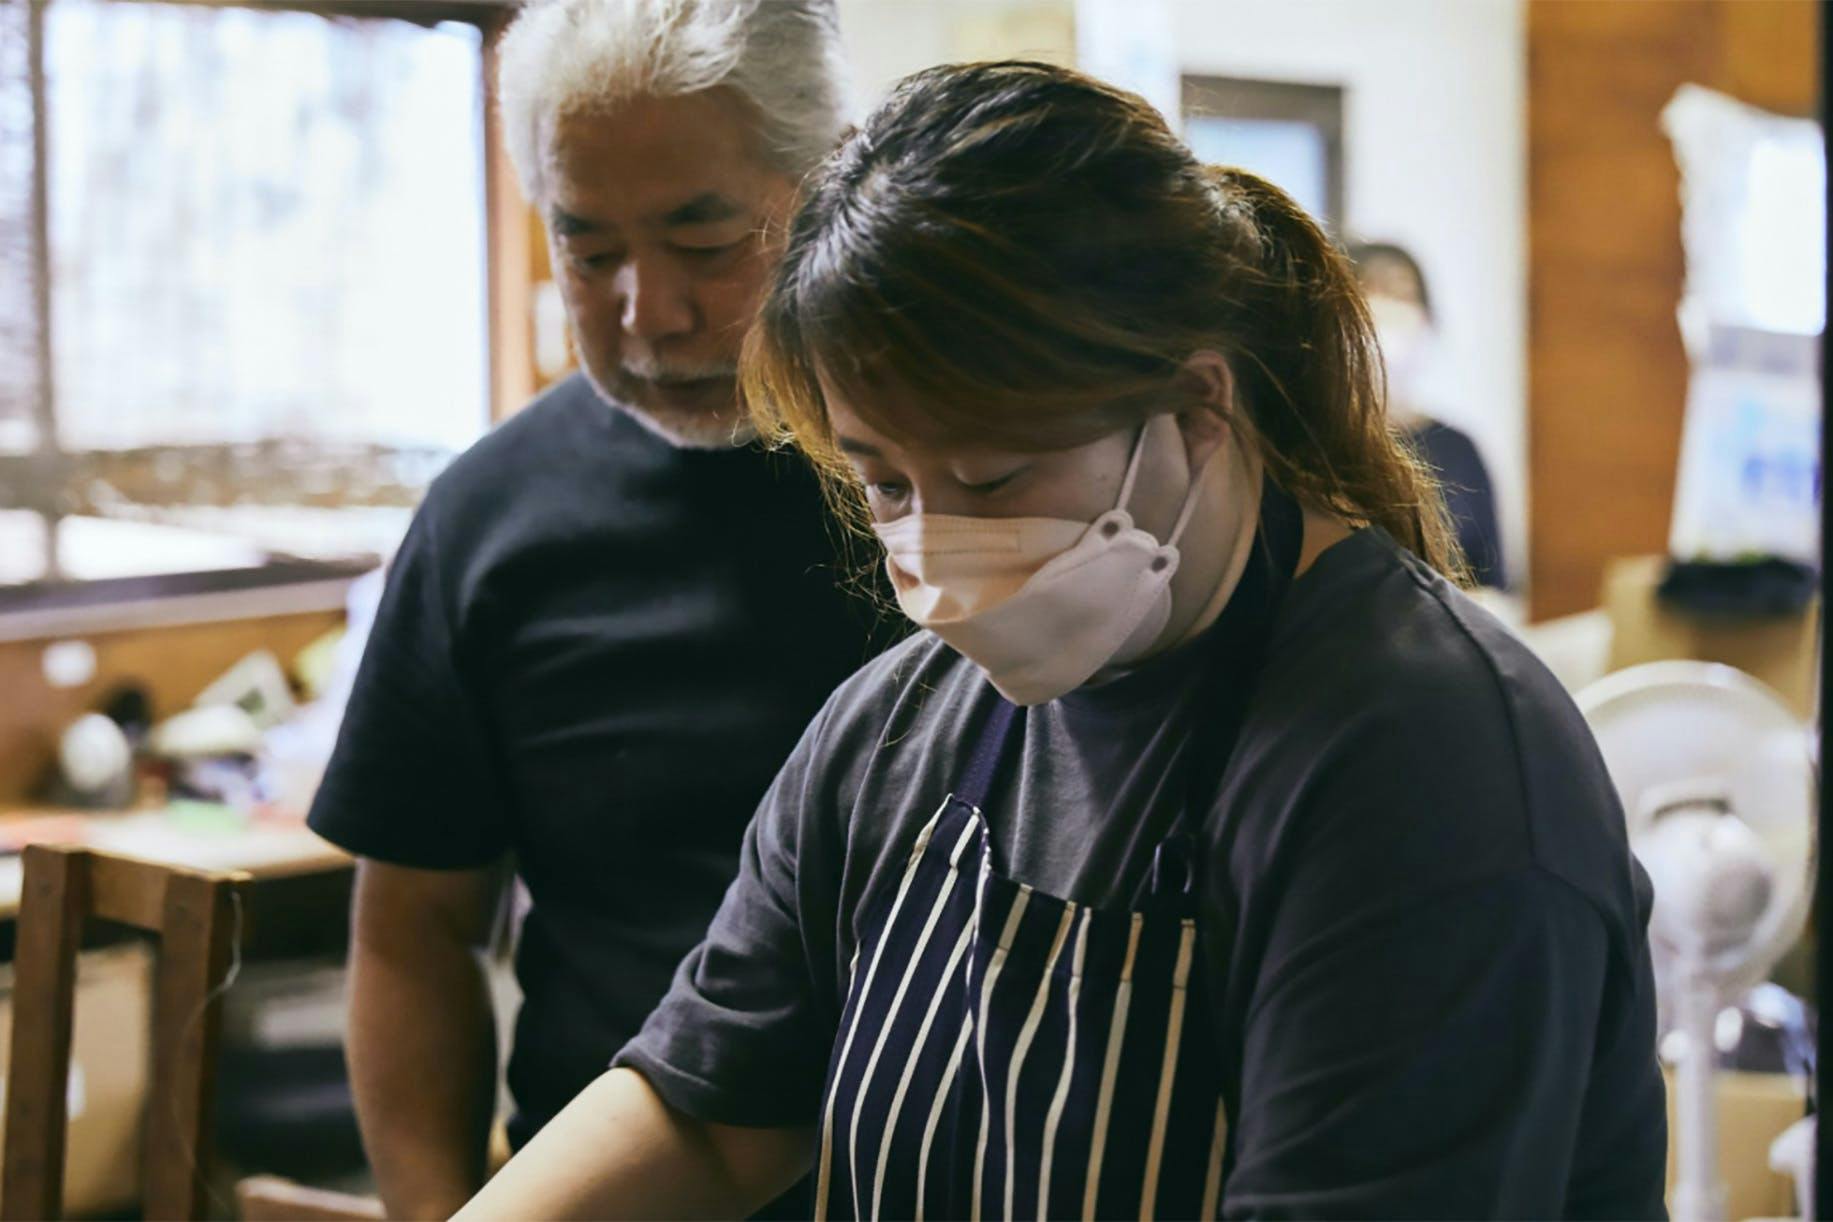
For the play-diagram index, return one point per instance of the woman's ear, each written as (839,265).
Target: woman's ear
(1205,422)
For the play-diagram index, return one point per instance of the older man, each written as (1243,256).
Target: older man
(612,617)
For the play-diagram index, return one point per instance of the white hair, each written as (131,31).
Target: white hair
(784,57)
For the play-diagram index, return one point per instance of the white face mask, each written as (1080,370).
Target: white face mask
(1043,604)
(1405,335)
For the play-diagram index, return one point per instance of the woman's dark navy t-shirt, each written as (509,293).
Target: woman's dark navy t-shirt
(1423,933)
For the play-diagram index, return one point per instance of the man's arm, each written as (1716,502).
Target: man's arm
(422,1043)
(619,1151)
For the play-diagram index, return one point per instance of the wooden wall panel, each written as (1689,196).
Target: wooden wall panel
(519,269)
(1607,374)
(511,272)
(173,663)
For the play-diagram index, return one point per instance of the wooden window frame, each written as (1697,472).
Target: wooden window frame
(509,273)
(1318,105)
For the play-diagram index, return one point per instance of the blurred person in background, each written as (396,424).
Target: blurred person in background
(1210,854)
(1405,327)
(611,618)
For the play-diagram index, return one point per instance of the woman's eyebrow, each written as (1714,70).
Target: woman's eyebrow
(861,449)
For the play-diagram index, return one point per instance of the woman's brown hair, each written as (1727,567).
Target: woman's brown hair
(1032,256)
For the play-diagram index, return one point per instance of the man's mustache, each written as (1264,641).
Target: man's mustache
(678,371)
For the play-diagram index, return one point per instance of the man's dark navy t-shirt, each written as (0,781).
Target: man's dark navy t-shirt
(594,652)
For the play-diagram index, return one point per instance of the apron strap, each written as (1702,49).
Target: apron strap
(990,749)
(1283,523)
(1249,616)
(1242,634)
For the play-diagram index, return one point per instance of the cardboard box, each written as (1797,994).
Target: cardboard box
(109,1063)
(1779,650)
(1753,1109)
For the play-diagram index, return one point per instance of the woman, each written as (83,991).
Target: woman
(1210,853)
(1401,305)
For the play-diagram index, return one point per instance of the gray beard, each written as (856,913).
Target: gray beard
(694,430)
(685,430)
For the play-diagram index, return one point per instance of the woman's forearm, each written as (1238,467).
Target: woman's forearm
(619,1151)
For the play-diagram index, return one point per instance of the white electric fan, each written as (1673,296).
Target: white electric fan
(1716,776)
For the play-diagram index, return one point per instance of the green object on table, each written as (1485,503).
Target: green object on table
(205,818)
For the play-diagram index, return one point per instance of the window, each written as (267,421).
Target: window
(1289,134)
(244,310)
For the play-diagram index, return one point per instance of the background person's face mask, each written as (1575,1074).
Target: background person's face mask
(1404,333)
(1043,604)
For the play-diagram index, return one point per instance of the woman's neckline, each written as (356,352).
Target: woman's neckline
(1175,669)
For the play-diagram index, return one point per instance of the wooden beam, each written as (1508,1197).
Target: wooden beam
(510,259)
(44,405)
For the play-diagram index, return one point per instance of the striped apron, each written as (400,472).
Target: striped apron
(1006,1053)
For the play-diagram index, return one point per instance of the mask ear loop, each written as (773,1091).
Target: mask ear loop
(1189,508)
(1132,475)
(1190,503)
(1184,514)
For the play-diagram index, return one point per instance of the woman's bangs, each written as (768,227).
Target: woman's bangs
(934,390)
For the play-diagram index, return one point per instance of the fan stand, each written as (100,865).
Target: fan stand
(1715,881)
(1699,1189)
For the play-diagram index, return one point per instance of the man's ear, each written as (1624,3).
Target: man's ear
(1205,423)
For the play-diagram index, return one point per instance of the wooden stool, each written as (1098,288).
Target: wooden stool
(194,915)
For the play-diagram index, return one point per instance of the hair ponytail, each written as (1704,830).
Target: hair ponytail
(1345,457)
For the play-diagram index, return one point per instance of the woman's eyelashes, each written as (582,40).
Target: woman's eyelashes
(886,496)
(893,494)
(986,487)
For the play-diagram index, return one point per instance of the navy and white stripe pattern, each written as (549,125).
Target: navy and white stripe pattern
(1005,1053)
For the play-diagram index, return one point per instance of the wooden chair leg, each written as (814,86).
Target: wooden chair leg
(50,933)
(195,952)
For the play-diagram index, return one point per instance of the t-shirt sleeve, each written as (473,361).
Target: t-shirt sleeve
(1429,1062)
(413,779)
(1423,996)
(743,1035)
